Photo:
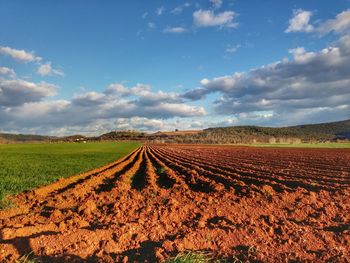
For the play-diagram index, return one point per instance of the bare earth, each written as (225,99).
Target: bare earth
(236,203)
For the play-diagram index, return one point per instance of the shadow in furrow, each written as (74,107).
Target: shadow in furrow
(109,184)
(23,245)
(194,183)
(139,180)
(163,180)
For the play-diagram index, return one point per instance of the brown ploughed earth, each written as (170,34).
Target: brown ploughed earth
(233,203)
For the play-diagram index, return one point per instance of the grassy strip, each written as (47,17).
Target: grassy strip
(27,166)
(190,257)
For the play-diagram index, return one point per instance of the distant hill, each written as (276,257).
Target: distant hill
(9,138)
(122,135)
(309,132)
(253,134)
(321,132)
(339,129)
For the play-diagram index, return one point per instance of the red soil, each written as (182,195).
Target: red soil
(236,203)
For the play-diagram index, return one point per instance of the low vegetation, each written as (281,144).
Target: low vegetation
(26,166)
(191,257)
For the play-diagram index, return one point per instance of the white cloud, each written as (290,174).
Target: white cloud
(44,69)
(137,123)
(300,22)
(216,3)
(7,72)
(140,90)
(47,70)
(20,55)
(301,56)
(144,15)
(91,99)
(160,10)
(16,92)
(340,24)
(315,83)
(176,30)
(117,88)
(207,18)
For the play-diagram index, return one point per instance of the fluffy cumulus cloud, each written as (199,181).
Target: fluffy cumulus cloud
(47,70)
(5,71)
(19,55)
(207,18)
(16,92)
(300,22)
(315,84)
(340,24)
(149,124)
(24,108)
(44,69)
(137,123)
(174,30)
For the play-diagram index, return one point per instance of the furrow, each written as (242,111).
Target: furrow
(196,182)
(109,183)
(261,175)
(259,178)
(166,177)
(139,180)
(283,163)
(206,170)
(68,183)
(228,179)
(124,182)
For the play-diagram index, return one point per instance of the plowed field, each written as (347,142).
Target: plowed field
(234,203)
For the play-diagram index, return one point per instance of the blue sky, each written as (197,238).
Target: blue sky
(92,66)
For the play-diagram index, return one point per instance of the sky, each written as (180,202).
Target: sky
(89,67)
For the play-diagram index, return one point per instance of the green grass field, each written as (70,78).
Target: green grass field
(27,166)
